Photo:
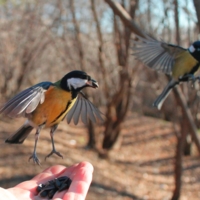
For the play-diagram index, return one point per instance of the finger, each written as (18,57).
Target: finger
(53,172)
(46,175)
(81,178)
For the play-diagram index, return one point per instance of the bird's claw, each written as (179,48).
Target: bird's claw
(54,152)
(35,159)
(197,78)
(194,79)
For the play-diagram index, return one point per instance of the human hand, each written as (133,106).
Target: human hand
(80,174)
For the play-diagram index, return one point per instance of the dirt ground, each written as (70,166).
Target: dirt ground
(141,165)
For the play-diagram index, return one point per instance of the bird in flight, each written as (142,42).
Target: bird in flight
(173,60)
(46,104)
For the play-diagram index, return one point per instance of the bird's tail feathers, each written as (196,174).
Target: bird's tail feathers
(161,98)
(20,135)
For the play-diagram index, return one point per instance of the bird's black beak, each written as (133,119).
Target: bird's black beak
(92,83)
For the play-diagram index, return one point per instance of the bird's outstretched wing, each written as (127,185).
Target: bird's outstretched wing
(84,109)
(26,101)
(156,54)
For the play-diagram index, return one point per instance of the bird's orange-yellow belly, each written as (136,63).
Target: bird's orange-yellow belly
(54,108)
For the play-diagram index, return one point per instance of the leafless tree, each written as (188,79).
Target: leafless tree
(197,7)
(118,104)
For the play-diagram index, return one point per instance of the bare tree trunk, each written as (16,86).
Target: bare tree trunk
(189,24)
(149,16)
(100,52)
(178,165)
(118,106)
(176,16)
(77,36)
(180,137)
(197,8)
(116,113)
(91,144)
(91,130)
(125,17)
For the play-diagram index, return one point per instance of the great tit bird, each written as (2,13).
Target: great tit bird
(46,104)
(173,60)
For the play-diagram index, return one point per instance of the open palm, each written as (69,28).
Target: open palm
(80,174)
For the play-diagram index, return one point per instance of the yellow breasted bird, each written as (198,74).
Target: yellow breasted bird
(173,60)
(46,104)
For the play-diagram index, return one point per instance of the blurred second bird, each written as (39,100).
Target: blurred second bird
(177,62)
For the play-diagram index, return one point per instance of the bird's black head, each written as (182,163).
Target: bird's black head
(77,80)
(194,49)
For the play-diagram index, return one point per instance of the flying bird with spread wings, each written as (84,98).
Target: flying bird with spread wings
(46,104)
(177,62)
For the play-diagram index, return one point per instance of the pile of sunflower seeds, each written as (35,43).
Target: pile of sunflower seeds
(52,186)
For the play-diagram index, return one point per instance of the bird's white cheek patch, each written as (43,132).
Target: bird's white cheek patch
(191,49)
(76,82)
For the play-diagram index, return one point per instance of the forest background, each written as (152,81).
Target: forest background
(43,40)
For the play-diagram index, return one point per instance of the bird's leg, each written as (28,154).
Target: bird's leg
(53,145)
(197,78)
(188,77)
(34,155)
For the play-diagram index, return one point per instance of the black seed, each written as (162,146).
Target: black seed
(52,186)
(57,183)
(62,178)
(68,181)
(51,193)
(49,187)
(43,193)
(40,187)
(63,187)
(51,182)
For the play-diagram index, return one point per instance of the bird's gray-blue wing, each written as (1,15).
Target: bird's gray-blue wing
(26,101)
(156,54)
(84,109)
